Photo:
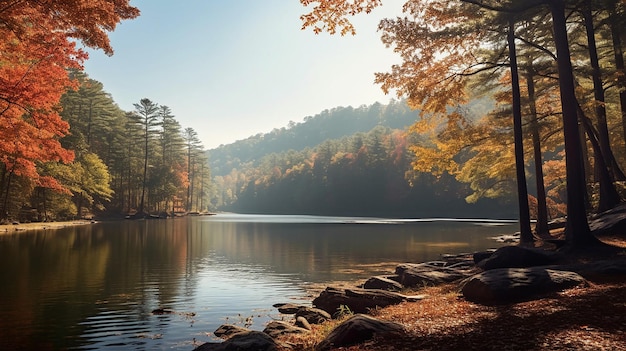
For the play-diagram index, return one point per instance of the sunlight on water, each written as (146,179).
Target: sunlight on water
(96,287)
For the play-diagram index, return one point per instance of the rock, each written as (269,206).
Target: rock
(303,323)
(482,255)
(423,274)
(246,341)
(518,257)
(606,270)
(313,315)
(277,328)
(160,311)
(505,285)
(357,300)
(227,330)
(358,329)
(288,308)
(382,283)
(611,221)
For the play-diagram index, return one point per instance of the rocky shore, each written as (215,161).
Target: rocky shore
(348,318)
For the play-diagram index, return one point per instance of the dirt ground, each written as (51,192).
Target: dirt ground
(20,227)
(591,317)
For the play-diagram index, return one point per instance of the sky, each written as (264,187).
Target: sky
(231,69)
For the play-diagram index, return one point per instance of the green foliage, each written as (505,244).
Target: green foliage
(329,124)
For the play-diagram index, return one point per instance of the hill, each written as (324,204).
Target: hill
(329,124)
(344,161)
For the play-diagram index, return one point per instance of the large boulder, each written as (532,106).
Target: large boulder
(598,271)
(358,300)
(611,221)
(427,274)
(227,330)
(506,285)
(246,341)
(518,257)
(288,308)
(358,329)
(278,328)
(382,283)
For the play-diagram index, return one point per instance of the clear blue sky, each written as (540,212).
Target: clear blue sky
(235,68)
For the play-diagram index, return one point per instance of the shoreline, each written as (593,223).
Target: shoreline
(26,227)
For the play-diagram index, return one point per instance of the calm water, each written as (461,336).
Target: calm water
(95,286)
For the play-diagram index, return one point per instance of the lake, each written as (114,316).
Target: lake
(95,286)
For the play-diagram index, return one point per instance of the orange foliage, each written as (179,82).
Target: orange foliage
(330,15)
(36,50)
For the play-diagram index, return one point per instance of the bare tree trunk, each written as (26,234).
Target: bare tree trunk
(526,235)
(577,229)
(541,228)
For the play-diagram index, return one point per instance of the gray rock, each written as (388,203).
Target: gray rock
(506,285)
(481,255)
(313,315)
(303,323)
(518,257)
(425,274)
(278,328)
(357,300)
(382,283)
(358,329)
(246,341)
(605,270)
(288,308)
(227,330)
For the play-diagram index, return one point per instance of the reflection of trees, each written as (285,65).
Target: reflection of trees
(319,251)
(70,274)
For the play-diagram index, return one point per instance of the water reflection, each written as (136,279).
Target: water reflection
(94,287)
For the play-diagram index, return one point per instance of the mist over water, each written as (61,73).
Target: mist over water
(95,287)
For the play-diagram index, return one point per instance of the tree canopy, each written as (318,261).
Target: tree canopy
(448,47)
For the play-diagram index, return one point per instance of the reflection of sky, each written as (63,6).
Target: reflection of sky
(233,217)
(94,287)
(219,292)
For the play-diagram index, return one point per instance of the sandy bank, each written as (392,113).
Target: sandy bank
(12,228)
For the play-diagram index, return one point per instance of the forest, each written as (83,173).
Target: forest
(66,149)
(344,161)
(556,71)
(552,138)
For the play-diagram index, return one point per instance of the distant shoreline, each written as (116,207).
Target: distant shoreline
(24,227)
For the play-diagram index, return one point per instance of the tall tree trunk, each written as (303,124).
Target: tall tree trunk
(526,235)
(577,229)
(608,194)
(618,52)
(541,228)
(145,170)
(5,202)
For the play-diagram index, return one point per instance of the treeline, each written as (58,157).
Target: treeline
(556,69)
(334,123)
(365,174)
(117,163)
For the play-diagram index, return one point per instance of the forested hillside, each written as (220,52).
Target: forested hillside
(105,161)
(328,124)
(343,161)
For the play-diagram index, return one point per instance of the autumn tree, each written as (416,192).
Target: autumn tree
(37,47)
(432,74)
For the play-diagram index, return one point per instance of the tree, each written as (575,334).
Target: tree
(37,48)
(433,94)
(146,116)
(194,150)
